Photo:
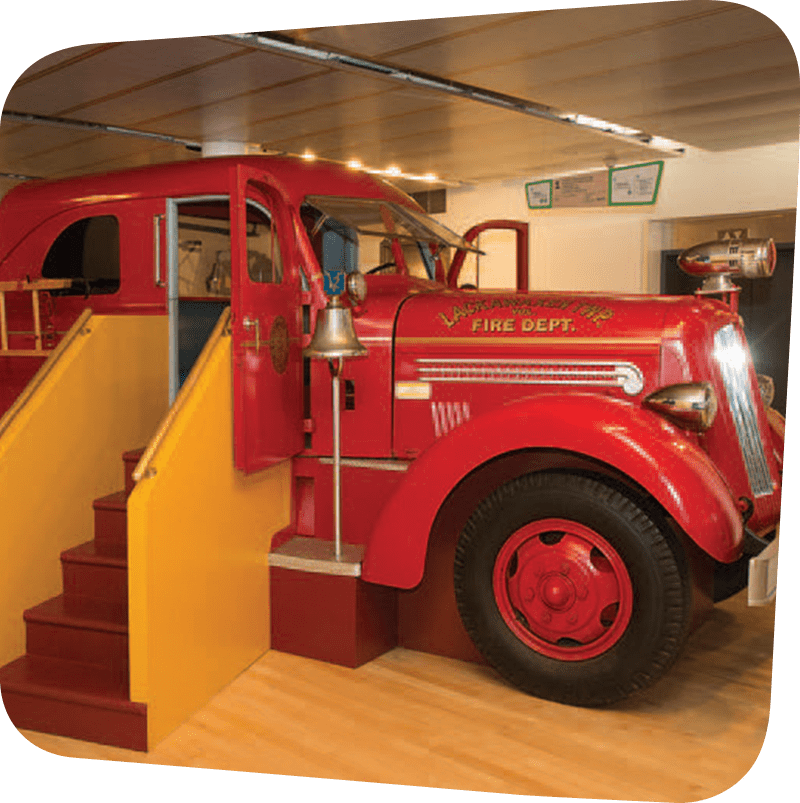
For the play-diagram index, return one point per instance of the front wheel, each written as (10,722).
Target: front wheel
(571,590)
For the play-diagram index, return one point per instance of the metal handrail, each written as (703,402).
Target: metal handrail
(143,468)
(52,358)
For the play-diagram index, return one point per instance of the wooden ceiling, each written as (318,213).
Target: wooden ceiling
(713,75)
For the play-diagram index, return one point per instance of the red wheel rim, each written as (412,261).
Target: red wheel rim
(562,589)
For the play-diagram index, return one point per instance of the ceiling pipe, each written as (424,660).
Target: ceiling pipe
(84,125)
(279,43)
(19,177)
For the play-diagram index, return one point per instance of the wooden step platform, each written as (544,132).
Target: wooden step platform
(321,608)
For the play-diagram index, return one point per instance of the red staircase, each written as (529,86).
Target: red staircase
(74,678)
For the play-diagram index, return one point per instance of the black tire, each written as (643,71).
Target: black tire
(523,540)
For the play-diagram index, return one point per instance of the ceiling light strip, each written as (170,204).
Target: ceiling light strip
(85,125)
(287,46)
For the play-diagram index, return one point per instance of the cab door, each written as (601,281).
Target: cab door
(266,327)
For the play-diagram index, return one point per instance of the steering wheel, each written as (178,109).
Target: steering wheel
(391,264)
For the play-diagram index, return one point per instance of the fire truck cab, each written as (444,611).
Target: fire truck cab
(594,461)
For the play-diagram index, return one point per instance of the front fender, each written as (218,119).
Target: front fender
(635,441)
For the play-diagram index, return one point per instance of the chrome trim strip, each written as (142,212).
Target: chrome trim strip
(743,412)
(375,465)
(600,373)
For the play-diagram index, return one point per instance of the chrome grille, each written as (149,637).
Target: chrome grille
(731,356)
(625,375)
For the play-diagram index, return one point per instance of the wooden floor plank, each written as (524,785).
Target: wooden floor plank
(414,719)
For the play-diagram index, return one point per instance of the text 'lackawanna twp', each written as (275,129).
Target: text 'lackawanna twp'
(525,319)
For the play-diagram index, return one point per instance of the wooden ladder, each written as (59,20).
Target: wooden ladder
(34,289)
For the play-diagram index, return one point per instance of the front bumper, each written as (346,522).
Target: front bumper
(762,577)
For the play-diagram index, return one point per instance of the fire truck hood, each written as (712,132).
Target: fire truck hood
(573,321)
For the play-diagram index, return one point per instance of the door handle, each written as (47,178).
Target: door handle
(253,323)
(158,281)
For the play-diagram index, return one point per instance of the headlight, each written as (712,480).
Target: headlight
(766,387)
(691,405)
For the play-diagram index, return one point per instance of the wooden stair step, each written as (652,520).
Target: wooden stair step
(86,631)
(114,501)
(115,556)
(72,699)
(96,571)
(83,612)
(111,519)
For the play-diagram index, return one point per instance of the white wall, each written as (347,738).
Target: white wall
(609,249)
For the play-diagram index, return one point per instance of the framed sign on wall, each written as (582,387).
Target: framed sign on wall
(539,194)
(634,185)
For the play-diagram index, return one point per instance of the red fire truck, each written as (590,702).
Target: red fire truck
(602,464)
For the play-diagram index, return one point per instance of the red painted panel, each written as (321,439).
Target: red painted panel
(364,492)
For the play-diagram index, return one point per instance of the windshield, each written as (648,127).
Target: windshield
(355,234)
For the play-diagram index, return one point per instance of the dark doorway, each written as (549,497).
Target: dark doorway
(765,306)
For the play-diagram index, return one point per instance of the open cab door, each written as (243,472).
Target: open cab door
(266,326)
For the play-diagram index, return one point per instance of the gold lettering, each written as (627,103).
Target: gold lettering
(497,325)
(450,324)
(527,324)
(603,316)
(587,310)
(476,324)
(554,323)
(508,325)
(541,324)
(565,324)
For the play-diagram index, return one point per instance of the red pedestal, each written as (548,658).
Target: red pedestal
(340,619)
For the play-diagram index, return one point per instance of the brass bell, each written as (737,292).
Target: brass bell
(334,334)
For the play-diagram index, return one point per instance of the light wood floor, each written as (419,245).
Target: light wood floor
(414,719)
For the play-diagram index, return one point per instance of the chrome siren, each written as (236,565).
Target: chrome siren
(718,260)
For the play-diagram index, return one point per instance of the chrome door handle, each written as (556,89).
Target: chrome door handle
(158,281)
(253,323)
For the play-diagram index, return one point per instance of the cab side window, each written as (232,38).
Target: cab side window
(264,263)
(87,252)
(204,233)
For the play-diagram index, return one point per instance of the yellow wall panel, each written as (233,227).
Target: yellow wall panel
(105,395)
(198,537)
